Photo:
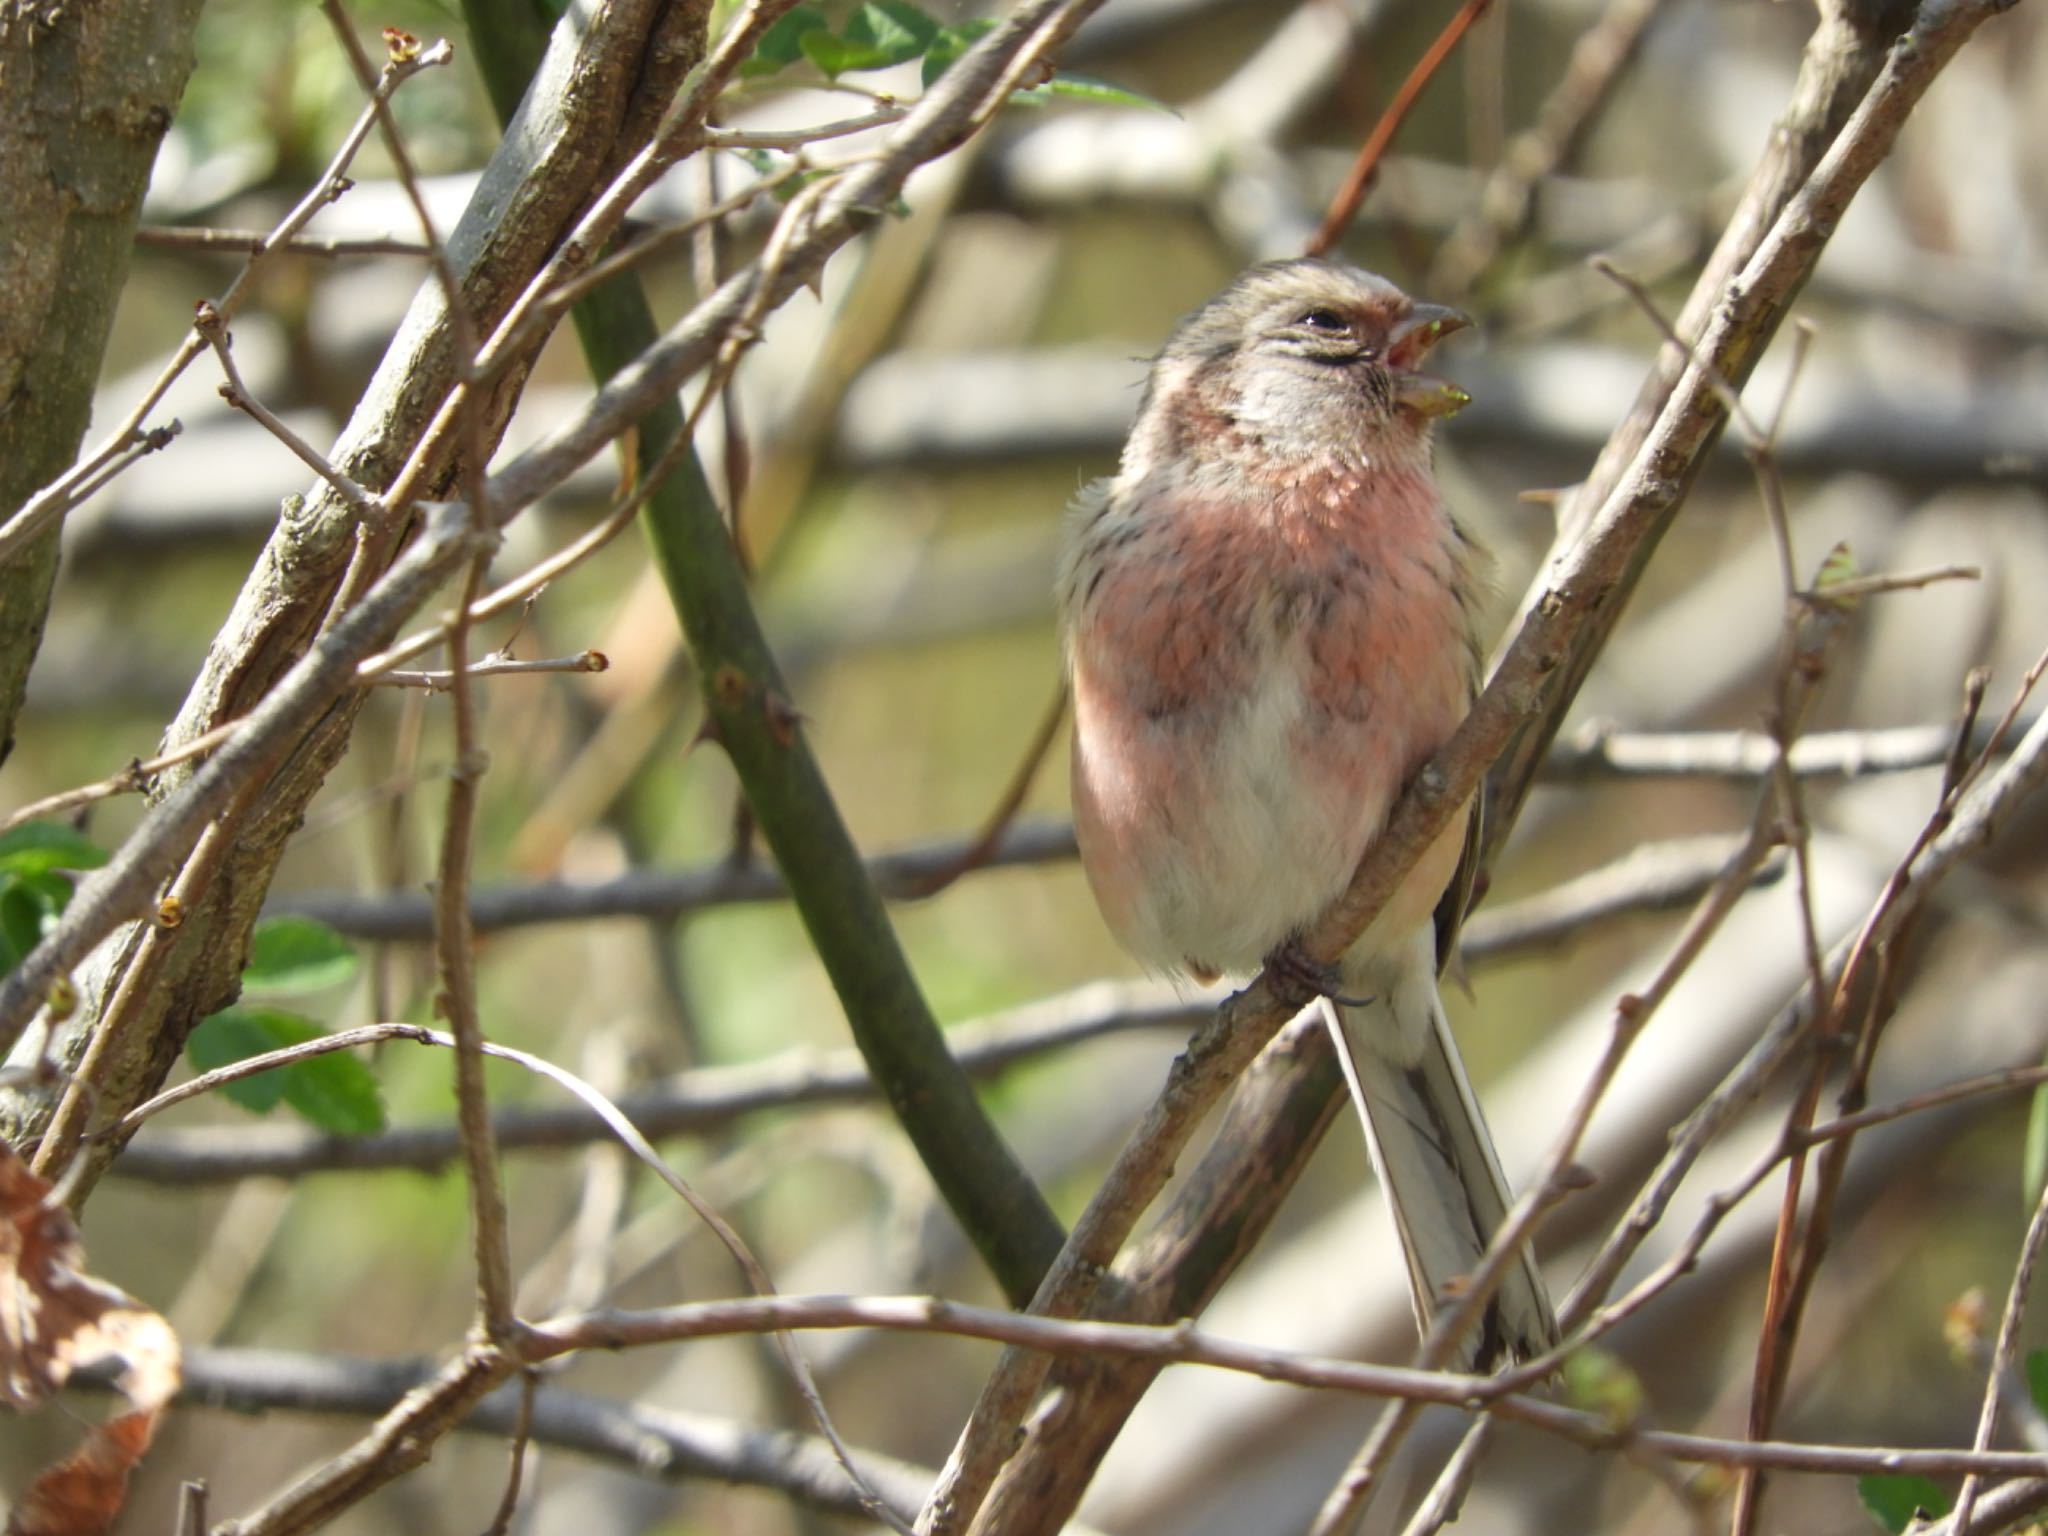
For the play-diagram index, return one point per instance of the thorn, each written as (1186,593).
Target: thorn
(783,718)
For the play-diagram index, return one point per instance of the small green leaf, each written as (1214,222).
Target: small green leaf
(894,27)
(767,163)
(2037,1378)
(1088,88)
(1898,1501)
(21,923)
(835,55)
(1598,1382)
(952,42)
(236,1034)
(879,34)
(296,954)
(1836,571)
(782,44)
(336,1092)
(30,904)
(35,847)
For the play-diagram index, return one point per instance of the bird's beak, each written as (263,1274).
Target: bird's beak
(1408,343)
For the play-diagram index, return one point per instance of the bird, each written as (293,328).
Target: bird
(1270,623)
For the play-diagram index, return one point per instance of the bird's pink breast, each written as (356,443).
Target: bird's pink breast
(1254,680)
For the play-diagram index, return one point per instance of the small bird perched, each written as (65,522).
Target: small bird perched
(1271,624)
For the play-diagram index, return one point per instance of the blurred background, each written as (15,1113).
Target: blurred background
(900,449)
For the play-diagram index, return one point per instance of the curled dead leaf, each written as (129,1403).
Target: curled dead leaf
(55,1317)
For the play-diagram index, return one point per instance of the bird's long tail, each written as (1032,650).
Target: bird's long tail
(1436,1162)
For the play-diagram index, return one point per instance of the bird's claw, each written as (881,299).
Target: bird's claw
(1298,978)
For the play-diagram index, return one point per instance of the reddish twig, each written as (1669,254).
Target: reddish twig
(1358,180)
(997,827)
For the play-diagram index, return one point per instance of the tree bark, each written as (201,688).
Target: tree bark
(577,125)
(86,93)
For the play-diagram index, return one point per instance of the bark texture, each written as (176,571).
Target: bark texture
(605,62)
(86,94)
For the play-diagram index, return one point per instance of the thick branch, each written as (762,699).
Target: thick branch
(85,97)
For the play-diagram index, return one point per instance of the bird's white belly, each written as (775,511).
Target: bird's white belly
(1251,854)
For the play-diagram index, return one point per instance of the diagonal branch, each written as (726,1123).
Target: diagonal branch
(1564,623)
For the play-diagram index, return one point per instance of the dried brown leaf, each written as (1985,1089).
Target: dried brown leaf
(81,1495)
(53,1318)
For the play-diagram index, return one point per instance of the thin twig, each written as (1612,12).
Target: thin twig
(212,327)
(2005,1353)
(995,831)
(1358,180)
(522,1437)
(525,587)
(1184,1345)
(125,890)
(797,138)
(495,1353)
(252,242)
(192,1507)
(58,497)
(701,1101)
(132,780)
(491,666)
(455,956)
(1597,753)
(1508,199)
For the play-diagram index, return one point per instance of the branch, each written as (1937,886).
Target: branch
(1359,179)
(1507,202)
(1853,94)
(83,108)
(663,894)
(648,1441)
(1181,1344)
(1564,623)
(698,1102)
(531,190)
(126,889)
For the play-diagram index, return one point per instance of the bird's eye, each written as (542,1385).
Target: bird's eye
(1324,320)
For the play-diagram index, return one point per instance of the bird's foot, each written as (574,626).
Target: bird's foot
(1297,978)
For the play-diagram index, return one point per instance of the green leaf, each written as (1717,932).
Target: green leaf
(1836,572)
(835,55)
(35,847)
(21,922)
(296,954)
(2037,1378)
(767,163)
(336,1092)
(952,42)
(1599,1382)
(782,44)
(879,34)
(1898,1501)
(30,904)
(1088,88)
(895,27)
(236,1034)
